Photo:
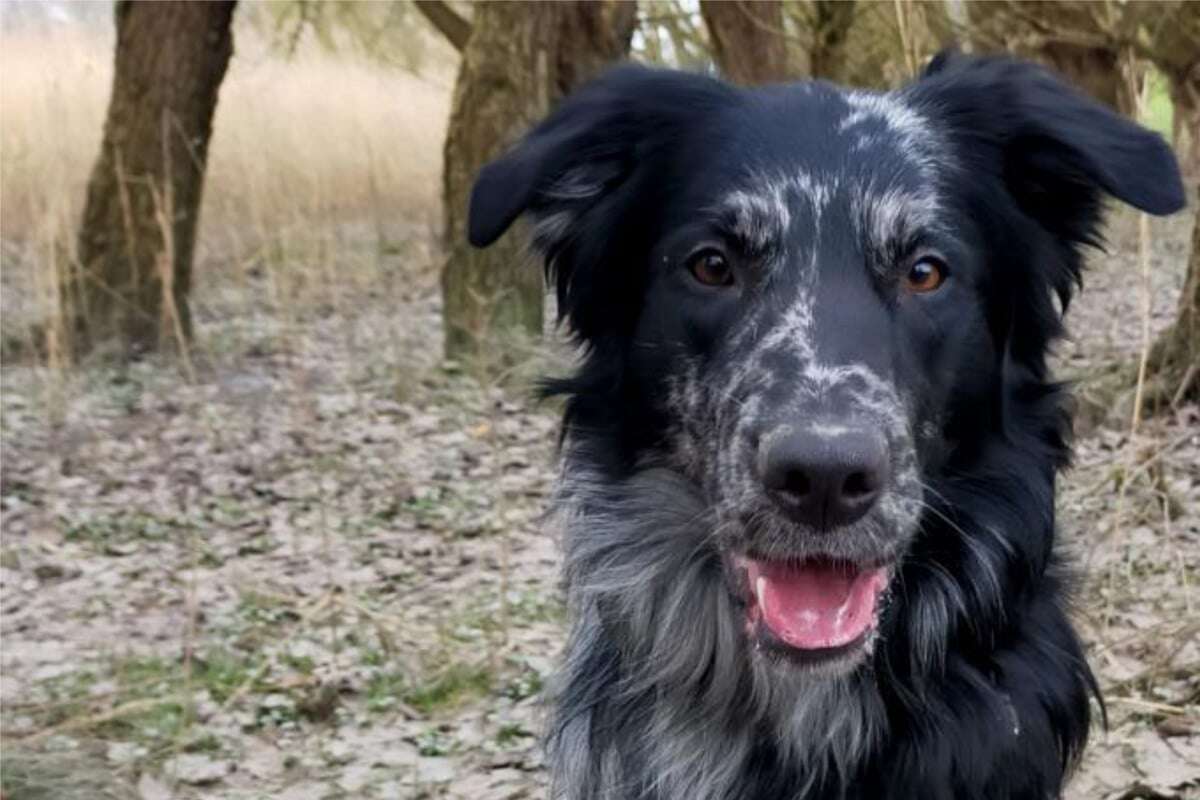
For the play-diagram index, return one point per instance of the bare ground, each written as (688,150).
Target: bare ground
(316,570)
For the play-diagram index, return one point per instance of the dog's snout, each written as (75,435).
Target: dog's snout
(824,478)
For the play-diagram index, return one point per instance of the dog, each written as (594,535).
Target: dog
(809,454)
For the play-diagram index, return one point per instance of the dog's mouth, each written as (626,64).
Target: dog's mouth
(812,608)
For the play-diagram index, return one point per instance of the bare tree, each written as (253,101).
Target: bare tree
(518,59)
(831,21)
(1067,36)
(143,199)
(1094,45)
(747,38)
(1172,43)
(1173,366)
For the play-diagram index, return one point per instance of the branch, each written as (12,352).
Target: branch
(441,16)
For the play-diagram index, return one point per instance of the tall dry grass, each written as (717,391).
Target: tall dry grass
(319,137)
(52,102)
(305,152)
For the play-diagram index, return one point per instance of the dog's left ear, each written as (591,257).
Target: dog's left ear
(1058,149)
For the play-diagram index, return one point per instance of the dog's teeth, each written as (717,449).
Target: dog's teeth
(760,586)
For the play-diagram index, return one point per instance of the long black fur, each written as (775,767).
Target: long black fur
(977,686)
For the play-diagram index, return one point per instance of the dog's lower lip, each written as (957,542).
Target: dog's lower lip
(766,639)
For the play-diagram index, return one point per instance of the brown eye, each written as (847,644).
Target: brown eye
(710,268)
(925,275)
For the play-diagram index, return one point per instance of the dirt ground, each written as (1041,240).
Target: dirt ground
(316,568)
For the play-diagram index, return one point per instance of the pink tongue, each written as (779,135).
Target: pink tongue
(816,605)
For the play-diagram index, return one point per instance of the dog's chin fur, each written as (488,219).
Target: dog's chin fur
(673,682)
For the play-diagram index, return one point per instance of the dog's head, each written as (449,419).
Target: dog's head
(814,302)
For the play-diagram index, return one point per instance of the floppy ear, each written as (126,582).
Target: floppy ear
(590,178)
(1059,150)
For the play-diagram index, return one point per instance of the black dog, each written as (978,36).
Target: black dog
(810,456)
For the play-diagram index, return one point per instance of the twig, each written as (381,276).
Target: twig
(164,211)
(79,723)
(904,27)
(245,686)
(1139,101)
(1184,384)
(1148,462)
(1157,672)
(1161,708)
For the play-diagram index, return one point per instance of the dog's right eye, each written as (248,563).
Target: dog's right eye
(710,268)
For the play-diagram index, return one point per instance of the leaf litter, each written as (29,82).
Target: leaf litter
(320,570)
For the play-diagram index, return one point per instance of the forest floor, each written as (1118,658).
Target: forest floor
(314,566)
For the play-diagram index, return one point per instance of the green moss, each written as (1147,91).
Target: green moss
(1159,112)
(448,688)
(107,532)
(156,687)
(512,734)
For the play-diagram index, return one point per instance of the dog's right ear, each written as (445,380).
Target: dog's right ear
(590,178)
(589,144)
(507,186)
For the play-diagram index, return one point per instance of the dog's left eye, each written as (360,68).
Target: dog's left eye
(925,275)
(711,268)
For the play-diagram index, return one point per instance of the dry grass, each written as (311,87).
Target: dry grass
(318,138)
(302,148)
(52,101)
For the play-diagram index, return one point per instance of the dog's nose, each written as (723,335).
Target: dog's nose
(825,478)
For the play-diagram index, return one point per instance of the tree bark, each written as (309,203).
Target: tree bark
(1184,89)
(831,28)
(521,57)
(1097,71)
(590,37)
(1079,40)
(143,198)
(747,39)
(1174,361)
(1172,46)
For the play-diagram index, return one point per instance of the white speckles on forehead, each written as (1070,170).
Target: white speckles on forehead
(883,217)
(864,141)
(897,116)
(760,215)
(916,138)
(762,211)
(893,215)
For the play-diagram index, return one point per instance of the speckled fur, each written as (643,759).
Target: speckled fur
(974,684)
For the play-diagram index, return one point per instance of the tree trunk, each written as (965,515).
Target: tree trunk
(1174,361)
(831,28)
(1097,71)
(143,199)
(1175,52)
(1184,90)
(520,58)
(747,39)
(1079,40)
